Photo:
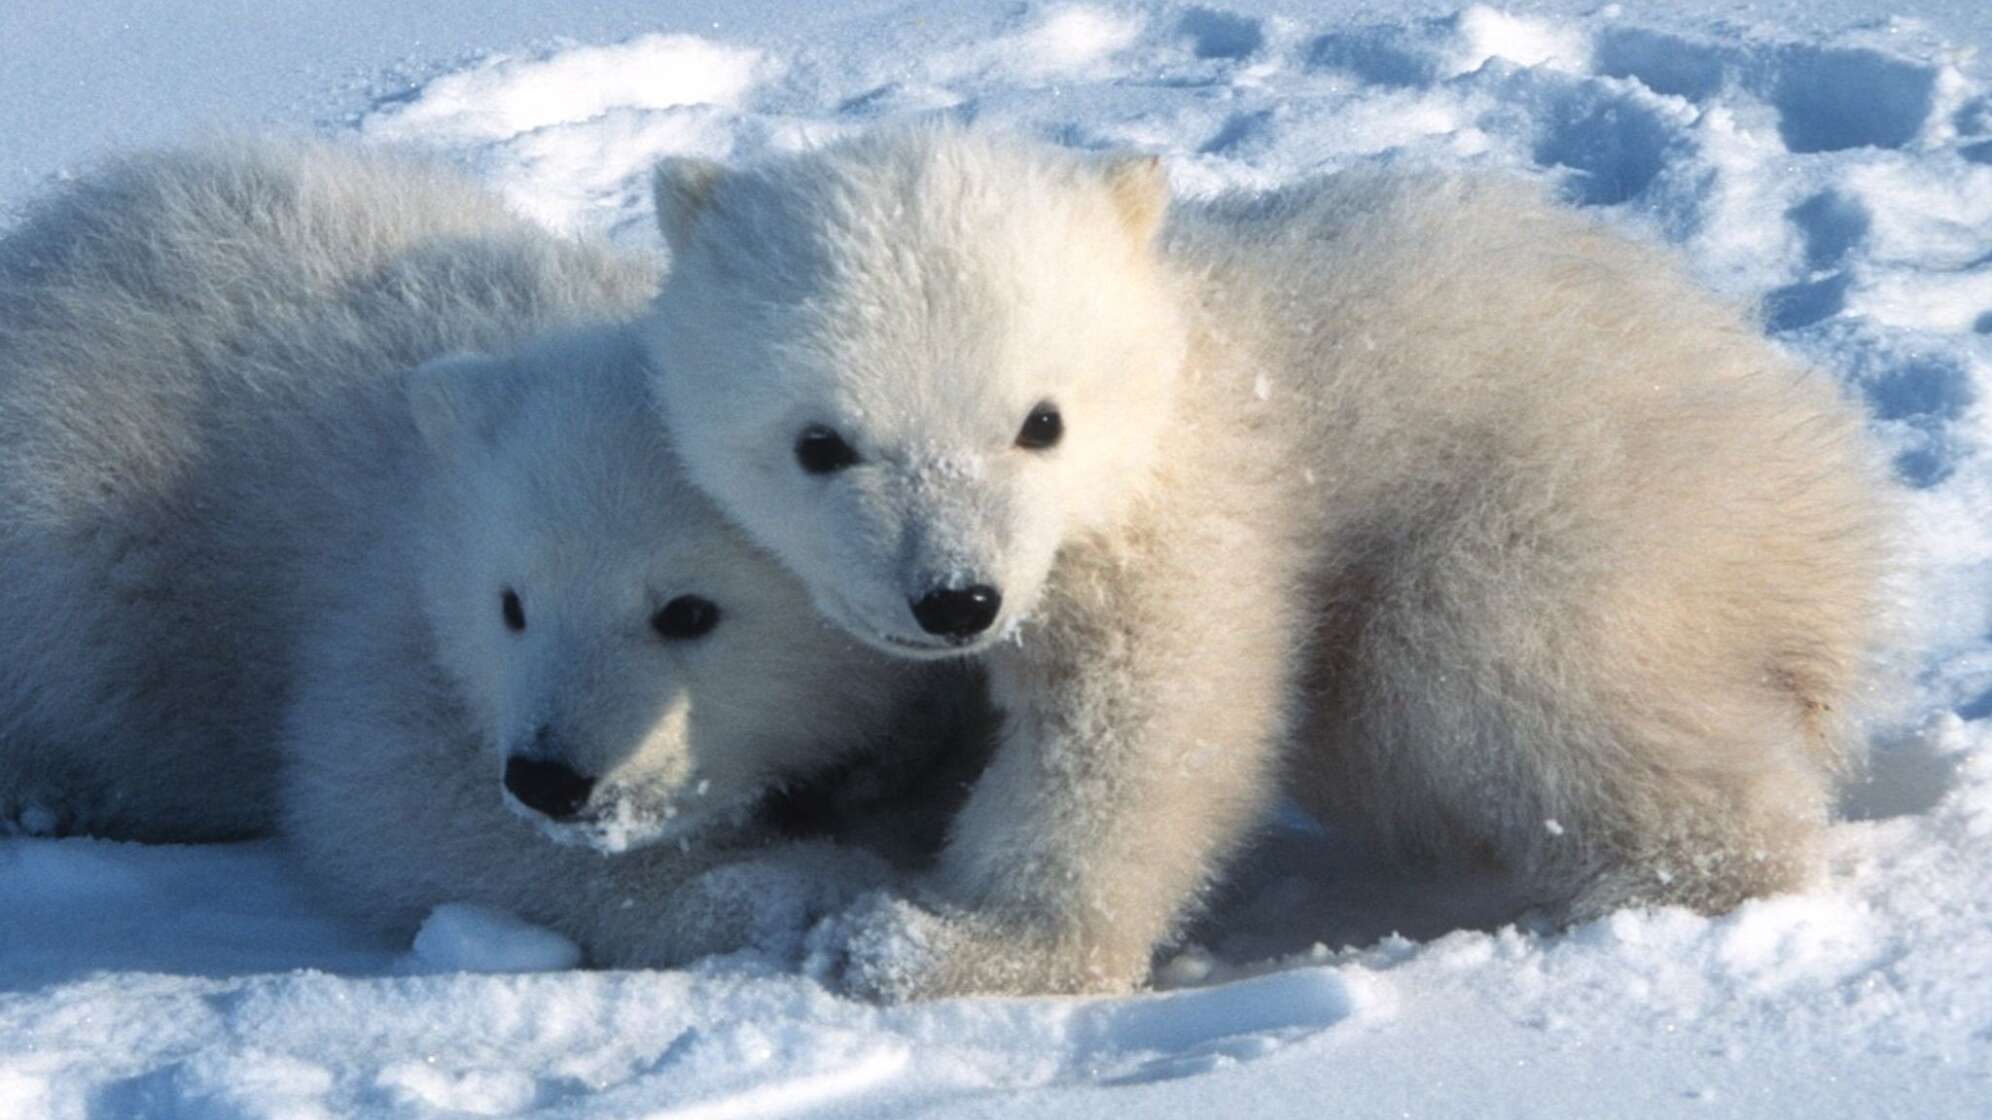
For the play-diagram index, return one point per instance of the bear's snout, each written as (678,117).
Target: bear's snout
(550,788)
(958,613)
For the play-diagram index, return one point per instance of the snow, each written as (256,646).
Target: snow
(1829,161)
(459,937)
(505,97)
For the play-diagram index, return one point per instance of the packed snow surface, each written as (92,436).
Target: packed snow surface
(1834,169)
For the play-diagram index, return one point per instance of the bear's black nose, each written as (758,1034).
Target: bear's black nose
(547,787)
(958,612)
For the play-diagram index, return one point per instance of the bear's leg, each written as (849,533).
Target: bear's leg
(1723,843)
(1613,738)
(1144,712)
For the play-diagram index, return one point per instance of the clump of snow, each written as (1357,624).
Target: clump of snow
(1074,42)
(570,135)
(418,1086)
(594,174)
(1071,39)
(1839,180)
(1484,33)
(458,937)
(22,1095)
(507,97)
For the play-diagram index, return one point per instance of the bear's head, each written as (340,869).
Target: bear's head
(635,667)
(915,363)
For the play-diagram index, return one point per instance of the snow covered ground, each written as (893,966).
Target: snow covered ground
(1829,162)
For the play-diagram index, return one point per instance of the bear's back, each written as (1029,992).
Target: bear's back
(201,422)
(180,292)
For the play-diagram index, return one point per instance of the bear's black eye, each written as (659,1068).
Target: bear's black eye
(687,616)
(1042,428)
(515,611)
(822,451)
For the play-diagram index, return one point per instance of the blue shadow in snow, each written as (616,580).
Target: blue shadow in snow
(1378,55)
(1795,306)
(1662,63)
(1218,34)
(1932,387)
(1831,100)
(1615,150)
(1832,224)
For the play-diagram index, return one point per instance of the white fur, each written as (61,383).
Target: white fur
(1493,517)
(543,473)
(928,326)
(201,417)
(251,517)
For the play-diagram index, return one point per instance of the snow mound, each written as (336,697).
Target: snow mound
(574,132)
(506,97)
(458,937)
(1068,41)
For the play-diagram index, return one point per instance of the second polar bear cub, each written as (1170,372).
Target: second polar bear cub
(279,545)
(556,601)
(201,421)
(1488,527)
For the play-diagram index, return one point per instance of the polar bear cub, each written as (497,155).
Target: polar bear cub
(259,571)
(553,603)
(201,424)
(1487,527)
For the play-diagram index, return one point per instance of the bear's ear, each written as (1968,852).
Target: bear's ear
(457,398)
(680,187)
(1140,190)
